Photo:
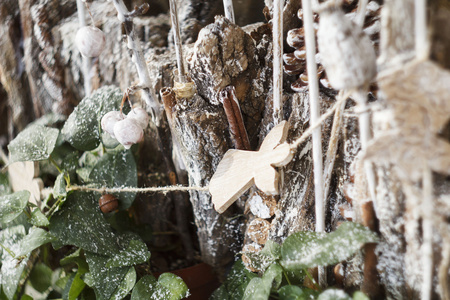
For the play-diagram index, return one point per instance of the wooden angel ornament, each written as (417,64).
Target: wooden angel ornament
(240,169)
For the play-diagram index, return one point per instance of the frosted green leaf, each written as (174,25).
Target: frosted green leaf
(104,280)
(81,223)
(257,290)
(235,283)
(38,218)
(126,285)
(34,143)
(304,250)
(293,292)
(59,189)
(117,169)
(12,205)
(11,269)
(5,188)
(333,294)
(358,295)
(41,277)
(264,258)
(49,119)
(167,287)
(82,128)
(136,253)
(272,276)
(77,258)
(35,238)
(74,287)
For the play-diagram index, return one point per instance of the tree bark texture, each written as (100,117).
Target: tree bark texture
(45,75)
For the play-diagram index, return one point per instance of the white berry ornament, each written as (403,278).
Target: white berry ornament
(346,51)
(128,132)
(140,116)
(90,41)
(109,120)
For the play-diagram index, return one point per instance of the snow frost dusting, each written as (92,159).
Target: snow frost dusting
(258,208)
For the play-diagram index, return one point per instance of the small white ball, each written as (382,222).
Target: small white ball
(109,120)
(140,115)
(90,41)
(128,132)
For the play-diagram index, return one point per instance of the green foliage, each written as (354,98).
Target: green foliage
(235,283)
(35,238)
(82,128)
(116,169)
(12,205)
(284,266)
(136,253)
(81,223)
(38,218)
(304,250)
(41,277)
(168,287)
(32,144)
(4,184)
(11,268)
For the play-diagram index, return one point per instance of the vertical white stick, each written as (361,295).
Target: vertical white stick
(427,226)
(360,97)
(139,60)
(229,11)
(277,24)
(313,85)
(177,40)
(87,63)
(361,13)
(420,28)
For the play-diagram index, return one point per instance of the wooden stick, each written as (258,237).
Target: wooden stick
(361,13)
(427,226)
(332,147)
(229,11)
(277,24)
(87,62)
(134,44)
(420,28)
(177,40)
(313,85)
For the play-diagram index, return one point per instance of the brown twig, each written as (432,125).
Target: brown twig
(233,112)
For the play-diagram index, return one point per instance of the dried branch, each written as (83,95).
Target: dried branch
(233,112)
(277,28)
(313,84)
(134,44)
(177,39)
(229,10)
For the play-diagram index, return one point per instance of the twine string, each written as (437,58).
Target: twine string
(172,188)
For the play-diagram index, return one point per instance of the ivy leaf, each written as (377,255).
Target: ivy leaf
(169,287)
(12,205)
(136,253)
(117,169)
(34,143)
(256,290)
(77,258)
(74,286)
(358,295)
(263,259)
(126,285)
(38,218)
(334,294)
(35,238)
(104,280)
(80,223)
(5,188)
(82,128)
(11,270)
(272,276)
(293,292)
(235,283)
(41,277)
(304,250)
(59,189)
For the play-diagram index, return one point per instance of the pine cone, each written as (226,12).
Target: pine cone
(295,62)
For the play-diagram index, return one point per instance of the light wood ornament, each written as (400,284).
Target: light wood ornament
(240,169)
